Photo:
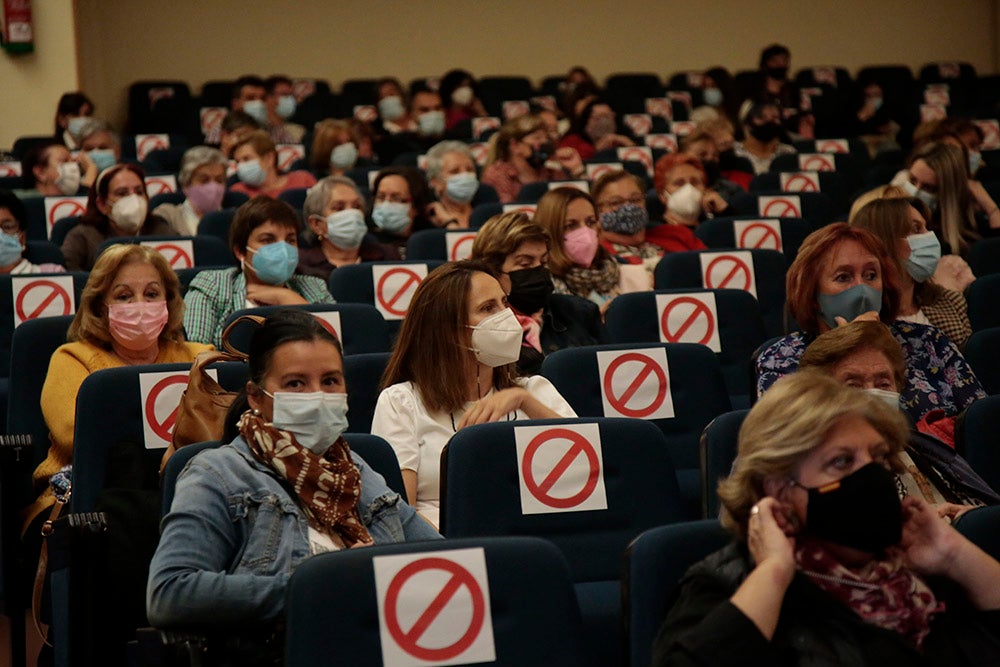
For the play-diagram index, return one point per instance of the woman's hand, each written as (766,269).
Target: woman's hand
(870,316)
(929,543)
(88,169)
(441,217)
(494,407)
(569,159)
(712,202)
(985,203)
(612,141)
(768,535)
(273,295)
(951,511)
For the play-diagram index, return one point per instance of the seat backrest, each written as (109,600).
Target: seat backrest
(181,252)
(359,327)
(294,197)
(440,244)
(40,295)
(588,485)
(217,224)
(43,213)
(783,234)
(982,298)
(363,375)
(43,252)
(516,605)
(483,212)
(816,207)
(980,526)
(389,286)
(175,464)
(677,386)
(717,451)
(714,269)
(981,353)
(975,438)
(62,227)
(984,257)
(655,562)
(691,316)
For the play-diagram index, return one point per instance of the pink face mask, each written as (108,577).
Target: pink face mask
(206,197)
(137,326)
(581,245)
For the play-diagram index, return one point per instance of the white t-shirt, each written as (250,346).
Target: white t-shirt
(419,437)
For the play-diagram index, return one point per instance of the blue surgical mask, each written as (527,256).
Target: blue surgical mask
(925,253)
(975,161)
(712,96)
(10,249)
(344,156)
(317,419)
(252,173)
(628,219)
(461,188)
(76,124)
(928,198)
(275,263)
(393,217)
(849,304)
(345,229)
(431,123)
(103,158)
(876,102)
(391,107)
(286,106)
(256,110)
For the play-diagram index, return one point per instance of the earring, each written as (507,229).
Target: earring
(256,412)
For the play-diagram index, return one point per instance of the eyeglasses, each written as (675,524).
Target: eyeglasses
(395,199)
(618,202)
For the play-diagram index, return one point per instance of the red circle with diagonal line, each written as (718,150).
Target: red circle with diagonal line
(149,144)
(819,163)
(158,185)
(700,309)
(176,256)
(649,367)
(326,325)
(408,640)
(830,147)
(286,158)
(211,119)
(781,208)
(461,243)
(540,490)
(808,184)
(58,292)
(164,428)
(64,209)
(728,274)
(768,233)
(389,301)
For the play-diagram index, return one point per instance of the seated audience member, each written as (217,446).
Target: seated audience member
(72,111)
(14,228)
(595,129)
(718,92)
(333,151)
(335,229)
(577,79)
(520,152)
(117,205)
(827,561)
(451,173)
(842,274)
(866,356)
(247,97)
(775,87)
(763,136)
(454,365)
(257,168)
(100,149)
(460,95)
(49,170)
(972,137)
(235,127)
(578,262)
(680,180)
(392,106)
(264,238)
(517,250)
(901,225)
(872,122)
(701,144)
(202,179)
(402,198)
(279,105)
(555,125)
(329,497)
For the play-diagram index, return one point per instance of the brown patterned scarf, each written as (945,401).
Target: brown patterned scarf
(883,592)
(603,280)
(328,486)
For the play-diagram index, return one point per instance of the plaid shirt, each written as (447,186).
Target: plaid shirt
(949,313)
(214,294)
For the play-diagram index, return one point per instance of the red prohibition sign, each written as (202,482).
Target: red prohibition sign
(149,144)
(649,367)
(991,133)
(389,304)
(326,325)
(460,243)
(818,163)
(75,208)
(179,258)
(287,158)
(57,292)
(738,267)
(212,118)
(830,147)
(541,490)
(164,428)
(789,209)
(768,234)
(407,639)
(700,308)
(808,185)
(157,184)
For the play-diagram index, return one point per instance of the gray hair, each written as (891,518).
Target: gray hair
(437,152)
(93,126)
(196,157)
(317,197)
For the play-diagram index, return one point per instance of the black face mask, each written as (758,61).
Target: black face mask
(766,132)
(861,510)
(777,73)
(539,156)
(530,289)
(712,172)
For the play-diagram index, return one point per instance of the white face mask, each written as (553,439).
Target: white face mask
(686,202)
(497,339)
(463,95)
(316,418)
(129,213)
(68,180)
(890,398)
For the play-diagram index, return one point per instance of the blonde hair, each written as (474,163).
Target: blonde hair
(796,416)
(91,322)
(328,135)
(956,225)
(550,215)
(878,192)
(515,129)
(502,234)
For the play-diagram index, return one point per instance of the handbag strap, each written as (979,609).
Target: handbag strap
(257,320)
(43,563)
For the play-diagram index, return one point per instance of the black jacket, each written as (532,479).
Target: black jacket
(567,321)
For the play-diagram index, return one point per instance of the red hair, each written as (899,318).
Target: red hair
(669,162)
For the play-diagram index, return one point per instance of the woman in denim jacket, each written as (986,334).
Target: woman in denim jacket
(287,487)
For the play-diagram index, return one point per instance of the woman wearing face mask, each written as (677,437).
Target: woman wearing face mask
(402,199)
(517,250)
(334,211)
(762,136)
(701,144)
(680,179)
(257,168)
(49,170)
(264,238)
(72,111)
(333,152)
(451,172)
(454,366)
(131,313)
(392,107)
(520,153)
(285,452)
(202,179)
(842,274)
(578,262)
(595,129)
(460,94)
(827,562)
(901,225)
(13,236)
(117,205)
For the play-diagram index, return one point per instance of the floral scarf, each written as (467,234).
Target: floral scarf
(603,280)
(327,486)
(883,592)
